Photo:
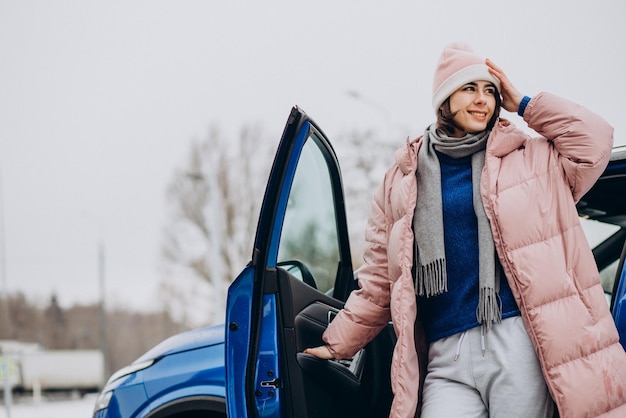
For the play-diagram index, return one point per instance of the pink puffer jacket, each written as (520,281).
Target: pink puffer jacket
(529,188)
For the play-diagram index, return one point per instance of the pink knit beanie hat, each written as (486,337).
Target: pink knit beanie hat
(457,66)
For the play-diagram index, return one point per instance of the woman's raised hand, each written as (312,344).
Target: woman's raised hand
(511,97)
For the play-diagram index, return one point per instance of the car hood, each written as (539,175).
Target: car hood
(189,340)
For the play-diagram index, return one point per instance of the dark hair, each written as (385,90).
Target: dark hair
(445,117)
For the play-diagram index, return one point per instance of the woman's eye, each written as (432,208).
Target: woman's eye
(490,91)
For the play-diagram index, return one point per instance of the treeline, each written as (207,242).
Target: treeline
(127,334)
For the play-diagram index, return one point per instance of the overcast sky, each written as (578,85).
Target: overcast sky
(100,99)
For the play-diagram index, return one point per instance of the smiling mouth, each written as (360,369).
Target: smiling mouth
(478,114)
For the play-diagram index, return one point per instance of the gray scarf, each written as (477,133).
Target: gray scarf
(430,257)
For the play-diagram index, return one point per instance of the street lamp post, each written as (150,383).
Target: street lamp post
(101,277)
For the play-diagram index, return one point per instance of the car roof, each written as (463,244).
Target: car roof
(606,201)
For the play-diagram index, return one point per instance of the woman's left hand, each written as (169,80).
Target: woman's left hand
(320,352)
(511,97)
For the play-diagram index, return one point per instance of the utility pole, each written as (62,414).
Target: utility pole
(4,305)
(103,316)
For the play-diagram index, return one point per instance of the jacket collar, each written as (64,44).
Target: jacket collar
(406,156)
(504,139)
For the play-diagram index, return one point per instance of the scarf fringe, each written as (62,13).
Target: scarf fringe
(489,309)
(431,279)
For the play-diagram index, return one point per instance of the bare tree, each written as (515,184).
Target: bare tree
(6,325)
(55,325)
(23,321)
(214,204)
(364,156)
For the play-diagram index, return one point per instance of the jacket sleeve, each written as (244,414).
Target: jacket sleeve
(582,139)
(366,311)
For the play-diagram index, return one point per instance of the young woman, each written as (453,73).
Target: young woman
(475,227)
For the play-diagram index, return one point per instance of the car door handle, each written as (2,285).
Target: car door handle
(331,316)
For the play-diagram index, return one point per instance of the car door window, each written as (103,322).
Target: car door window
(309,239)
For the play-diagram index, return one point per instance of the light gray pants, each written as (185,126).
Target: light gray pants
(505,382)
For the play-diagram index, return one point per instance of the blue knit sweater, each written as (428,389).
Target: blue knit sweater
(455,310)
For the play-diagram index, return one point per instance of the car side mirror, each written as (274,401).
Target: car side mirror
(299,270)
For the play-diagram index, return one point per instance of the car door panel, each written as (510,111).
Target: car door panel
(355,388)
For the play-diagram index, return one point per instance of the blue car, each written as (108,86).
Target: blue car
(298,278)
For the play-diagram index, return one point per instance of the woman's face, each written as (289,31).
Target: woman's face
(474,104)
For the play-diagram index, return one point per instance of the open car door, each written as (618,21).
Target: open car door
(299,277)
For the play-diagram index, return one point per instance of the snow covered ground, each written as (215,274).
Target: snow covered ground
(74,408)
